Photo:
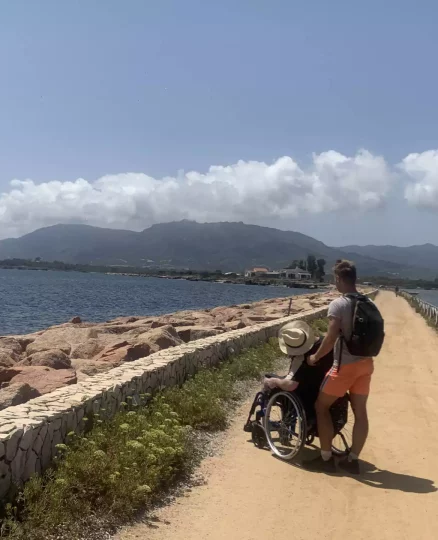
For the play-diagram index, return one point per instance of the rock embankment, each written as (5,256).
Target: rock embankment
(38,363)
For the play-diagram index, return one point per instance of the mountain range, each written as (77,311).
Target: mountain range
(211,246)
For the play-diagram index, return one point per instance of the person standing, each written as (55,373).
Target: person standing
(350,372)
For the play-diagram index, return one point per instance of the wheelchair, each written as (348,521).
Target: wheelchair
(285,423)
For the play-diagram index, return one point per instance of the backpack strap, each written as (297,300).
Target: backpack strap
(354,298)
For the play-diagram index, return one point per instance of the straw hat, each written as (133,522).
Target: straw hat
(296,338)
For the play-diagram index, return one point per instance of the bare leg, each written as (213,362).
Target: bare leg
(325,423)
(360,429)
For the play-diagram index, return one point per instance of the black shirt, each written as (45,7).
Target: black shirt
(310,378)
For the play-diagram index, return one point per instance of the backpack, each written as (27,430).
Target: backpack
(368,328)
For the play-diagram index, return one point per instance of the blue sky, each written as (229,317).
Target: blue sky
(95,88)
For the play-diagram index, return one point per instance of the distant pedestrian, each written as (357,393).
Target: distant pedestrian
(356,334)
(396,290)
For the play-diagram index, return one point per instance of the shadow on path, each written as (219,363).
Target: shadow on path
(379,478)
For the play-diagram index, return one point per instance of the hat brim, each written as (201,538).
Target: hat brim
(296,351)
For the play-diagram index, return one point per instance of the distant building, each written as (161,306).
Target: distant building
(289,273)
(257,271)
(295,273)
(275,274)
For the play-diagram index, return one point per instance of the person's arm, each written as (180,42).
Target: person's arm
(328,342)
(287,385)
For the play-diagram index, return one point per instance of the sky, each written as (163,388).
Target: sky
(319,117)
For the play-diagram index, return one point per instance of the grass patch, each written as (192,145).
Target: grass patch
(122,465)
(320,326)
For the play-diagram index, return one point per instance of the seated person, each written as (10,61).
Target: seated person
(298,341)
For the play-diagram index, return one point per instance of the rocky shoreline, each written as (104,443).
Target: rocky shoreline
(35,364)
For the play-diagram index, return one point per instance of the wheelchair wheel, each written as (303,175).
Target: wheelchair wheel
(285,425)
(344,436)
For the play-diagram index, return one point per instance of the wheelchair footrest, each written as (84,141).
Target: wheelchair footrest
(247,428)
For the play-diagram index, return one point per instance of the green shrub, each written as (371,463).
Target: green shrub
(320,326)
(113,471)
(202,402)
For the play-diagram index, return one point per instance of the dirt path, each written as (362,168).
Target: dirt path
(250,495)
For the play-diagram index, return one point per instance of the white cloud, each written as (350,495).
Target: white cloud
(422,172)
(249,191)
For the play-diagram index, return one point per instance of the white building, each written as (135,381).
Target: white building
(256,271)
(295,273)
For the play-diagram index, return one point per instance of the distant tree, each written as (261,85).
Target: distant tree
(294,264)
(320,271)
(311,265)
(302,264)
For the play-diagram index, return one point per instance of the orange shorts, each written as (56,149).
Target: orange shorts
(354,378)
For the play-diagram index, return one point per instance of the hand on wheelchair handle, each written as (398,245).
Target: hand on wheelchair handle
(312,360)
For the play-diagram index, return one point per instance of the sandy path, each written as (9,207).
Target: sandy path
(250,495)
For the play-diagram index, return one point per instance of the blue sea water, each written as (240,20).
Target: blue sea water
(427,296)
(33,300)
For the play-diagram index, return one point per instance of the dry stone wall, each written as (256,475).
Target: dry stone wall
(29,433)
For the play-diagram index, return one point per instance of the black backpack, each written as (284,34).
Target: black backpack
(368,328)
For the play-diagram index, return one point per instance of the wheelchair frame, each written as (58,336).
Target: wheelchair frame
(261,432)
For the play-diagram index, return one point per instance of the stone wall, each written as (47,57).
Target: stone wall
(29,433)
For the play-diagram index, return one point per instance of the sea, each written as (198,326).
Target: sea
(427,296)
(33,300)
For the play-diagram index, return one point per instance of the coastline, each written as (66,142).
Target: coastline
(40,362)
(208,277)
(37,300)
(427,310)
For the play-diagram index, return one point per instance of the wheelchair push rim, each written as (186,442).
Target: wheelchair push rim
(285,425)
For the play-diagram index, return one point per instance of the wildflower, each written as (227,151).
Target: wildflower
(61,482)
(135,445)
(61,447)
(142,492)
